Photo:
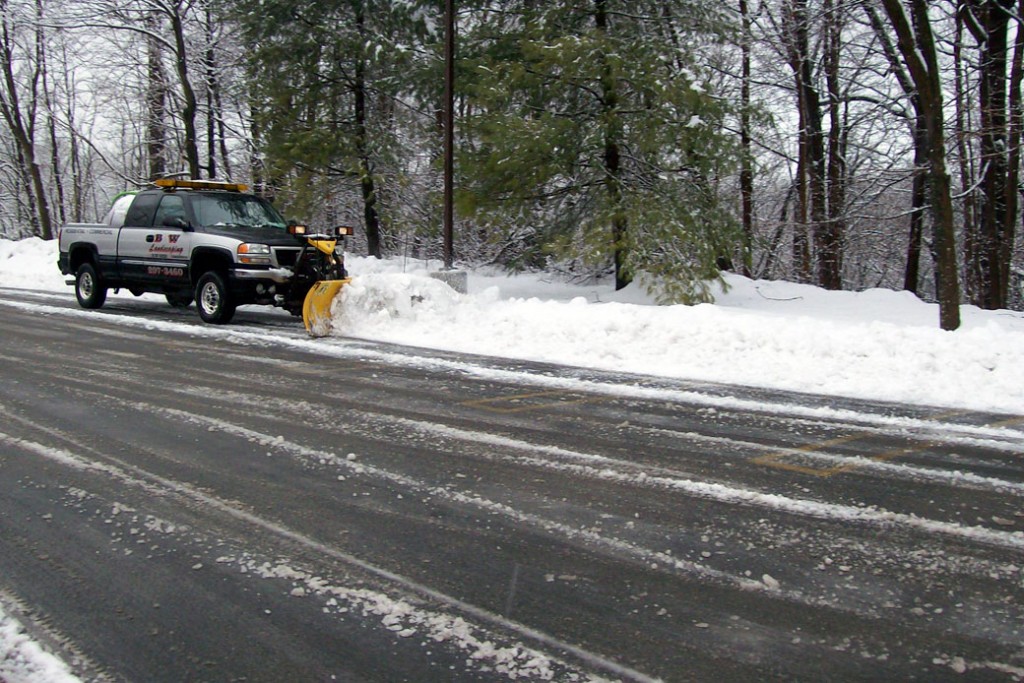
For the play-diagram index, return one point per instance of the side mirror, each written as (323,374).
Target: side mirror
(177,222)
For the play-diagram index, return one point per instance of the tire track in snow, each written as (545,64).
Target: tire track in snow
(370,352)
(618,471)
(381,419)
(914,473)
(624,548)
(595,466)
(923,431)
(655,560)
(437,626)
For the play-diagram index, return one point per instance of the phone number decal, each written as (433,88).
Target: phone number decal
(165,271)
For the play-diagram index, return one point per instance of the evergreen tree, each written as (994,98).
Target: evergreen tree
(326,78)
(596,121)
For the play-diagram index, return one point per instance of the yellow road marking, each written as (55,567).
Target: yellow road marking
(1007,423)
(495,404)
(776,459)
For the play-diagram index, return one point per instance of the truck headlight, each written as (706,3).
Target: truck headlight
(254,254)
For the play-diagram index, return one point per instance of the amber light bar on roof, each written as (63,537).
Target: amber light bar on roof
(172,183)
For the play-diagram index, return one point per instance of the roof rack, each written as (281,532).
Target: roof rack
(175,184)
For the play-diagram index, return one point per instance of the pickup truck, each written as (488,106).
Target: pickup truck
(189,240)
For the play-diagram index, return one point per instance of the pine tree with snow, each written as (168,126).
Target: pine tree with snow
(328,78)
(597,123)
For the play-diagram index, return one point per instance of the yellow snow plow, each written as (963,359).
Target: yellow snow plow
(320,271)
(316,309)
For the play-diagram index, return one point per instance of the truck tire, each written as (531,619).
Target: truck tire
(89,289)
(213,299)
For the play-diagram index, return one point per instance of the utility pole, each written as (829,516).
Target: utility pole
(449,132)
(457,280)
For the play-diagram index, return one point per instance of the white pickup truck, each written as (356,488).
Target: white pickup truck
(192,240)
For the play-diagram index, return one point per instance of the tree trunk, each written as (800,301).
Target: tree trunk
(25,177)
(77,175)
(919,184)
(1015,131)
(256,164)
(51,122)
(918,200)
(988,21)
(917,45)
(966,163)
(811,168)
(801,244)
(831,232)
(188,111)
(22,129)
(156,99)
(746,163)
(612,157)
(211,116)
(225,158)
(366,181)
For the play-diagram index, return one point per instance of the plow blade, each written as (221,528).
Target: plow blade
(316,308)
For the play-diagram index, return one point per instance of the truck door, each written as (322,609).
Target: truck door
(156,255)
(132,250)
(170,244)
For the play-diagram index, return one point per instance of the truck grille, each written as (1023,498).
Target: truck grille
(286,256)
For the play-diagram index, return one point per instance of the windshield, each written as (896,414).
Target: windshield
(238,210)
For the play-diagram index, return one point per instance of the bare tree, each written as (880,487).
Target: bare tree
(78,180)
(988,242)
(156,101)
(821,172)
(746,143)
(916,43)
(916,121)
(165,26)
(23,72)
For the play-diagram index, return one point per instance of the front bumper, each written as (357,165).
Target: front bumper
(276,275)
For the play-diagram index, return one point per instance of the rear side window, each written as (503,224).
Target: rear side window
(140,215)
(115,217)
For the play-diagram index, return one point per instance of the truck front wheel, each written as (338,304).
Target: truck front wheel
(89,291)
(213,299)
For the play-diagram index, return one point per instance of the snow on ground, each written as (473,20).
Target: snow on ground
(23,661)
(876,344)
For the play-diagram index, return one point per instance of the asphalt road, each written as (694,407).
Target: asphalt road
(180,502)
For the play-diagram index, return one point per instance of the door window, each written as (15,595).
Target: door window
(171,206)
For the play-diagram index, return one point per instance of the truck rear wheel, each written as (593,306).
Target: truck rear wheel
(213,299)
(89,290)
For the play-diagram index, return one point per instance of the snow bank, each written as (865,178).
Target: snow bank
(877,344)
(23,661)
(30,264)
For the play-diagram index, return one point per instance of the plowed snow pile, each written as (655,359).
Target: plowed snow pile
(876,344)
